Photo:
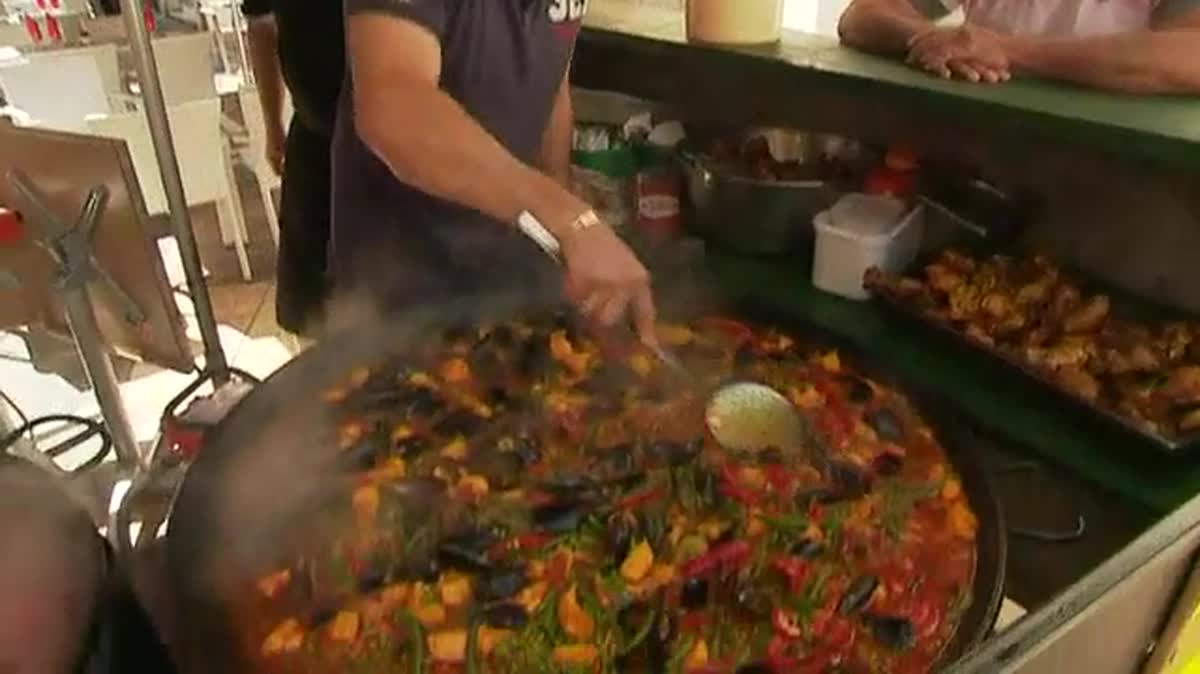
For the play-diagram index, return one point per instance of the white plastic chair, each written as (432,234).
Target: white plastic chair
(204,158)
(58,90)
(253,152)
(185,67)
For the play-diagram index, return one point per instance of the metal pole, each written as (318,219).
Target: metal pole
(181,222)
(98,364)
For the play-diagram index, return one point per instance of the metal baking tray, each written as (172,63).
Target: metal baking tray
(1186,444)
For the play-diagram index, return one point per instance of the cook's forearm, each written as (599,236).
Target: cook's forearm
(430,142)
(885,26)
(1160,62)
(264,61)
(556,145)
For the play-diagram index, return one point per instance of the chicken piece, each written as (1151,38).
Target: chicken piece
(944,279)
(964,303)
(1135,358)
(1190,421)
(1038,291)
(1175,340)
(998,305)
(1038,336)
(1066,299)
(1088,318)
(1010,326)
(979,335)
(958,261)
(1076,380)
(1070,352)
(1183,385)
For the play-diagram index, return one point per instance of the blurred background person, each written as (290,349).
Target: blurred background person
(299,45)
(1138,46)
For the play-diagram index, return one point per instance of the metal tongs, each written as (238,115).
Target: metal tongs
(742,416)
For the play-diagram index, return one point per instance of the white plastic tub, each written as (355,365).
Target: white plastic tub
(863,231)
(736,22)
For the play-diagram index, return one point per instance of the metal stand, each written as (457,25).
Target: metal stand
(181,223)
(70,247)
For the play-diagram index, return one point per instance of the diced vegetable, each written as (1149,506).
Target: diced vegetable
(430,615)
(575,621)
(565,353)
(454,589)
(962,520)
(456,371)
(832,362)
(490,638)
(952,490)
(344,627)
(476,486)
(456,450)
(448,645)
(270,586)
(698,657)
(286,638)
(577,655)
(637,564)
(366,503)
(728,555)
(391,470)
(532,596)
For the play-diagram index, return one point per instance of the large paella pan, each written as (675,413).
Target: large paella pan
(464,492)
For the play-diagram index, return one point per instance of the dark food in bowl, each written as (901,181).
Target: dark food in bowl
(584,521)
(1033,314)
(753,159)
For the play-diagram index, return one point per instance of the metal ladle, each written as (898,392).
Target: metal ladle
(750,417)
(742,416)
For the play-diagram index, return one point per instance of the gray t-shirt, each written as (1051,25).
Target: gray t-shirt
(502,60)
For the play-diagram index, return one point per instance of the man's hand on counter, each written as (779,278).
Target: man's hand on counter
(965,52)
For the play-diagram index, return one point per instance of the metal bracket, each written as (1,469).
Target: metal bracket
(70,245)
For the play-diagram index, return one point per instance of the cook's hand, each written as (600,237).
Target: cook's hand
(608,281)
(276,149)
(967,52)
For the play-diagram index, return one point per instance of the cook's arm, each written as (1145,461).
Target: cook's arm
(887,26)
(264,61)
(556,145)
(428,140)
(1165,60)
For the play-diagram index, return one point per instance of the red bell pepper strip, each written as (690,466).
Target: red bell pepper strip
(740,332)
(727,556)
(730,487)
(794,569)
(641,498)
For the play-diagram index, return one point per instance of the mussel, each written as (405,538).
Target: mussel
(506,617)
(849,480)
(887,464)
(894,632)
(694,594)
(858,595)
(569,484)
(857,389)
(755,601)
(756,668)
(366,453)
(459,422)
(674,453)
(501,583)
(886,424)
(561,518)
(808,548)
(620,532)
(468,551)
(421,402)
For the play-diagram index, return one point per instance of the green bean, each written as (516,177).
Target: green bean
(640,635)
(417,635)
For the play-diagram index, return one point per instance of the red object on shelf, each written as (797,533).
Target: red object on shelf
(33,28)
(12,230)
(56,3)
(899,184)
(54,28)
(151,19)
(41,4)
